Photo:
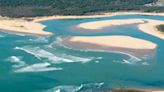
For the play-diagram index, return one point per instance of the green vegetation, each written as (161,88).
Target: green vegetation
(160,28)
(28,8)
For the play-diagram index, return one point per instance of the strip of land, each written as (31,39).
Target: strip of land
(22,26)
(148,26)
(134,46)
(108,14)
(31,25)
(107,23)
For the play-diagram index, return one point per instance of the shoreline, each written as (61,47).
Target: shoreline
(112,44)
(100,15)
(22,26)
(148,26)
(32,25)
(98,25)
(61,17)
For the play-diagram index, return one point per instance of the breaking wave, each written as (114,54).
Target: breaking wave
(17,61)
(131,60)
(73,88)
(39,67)
(51,57)
(40,39)
(21,67)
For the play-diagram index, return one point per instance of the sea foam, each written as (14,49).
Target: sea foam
(17,61)
(39,67)
(40,54)
(73,88)
(39,39)
(131,60)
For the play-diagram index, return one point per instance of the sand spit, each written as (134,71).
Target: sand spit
(125,44)
(107,23)
(145,25)
(22,26)
(150,27)
(30,25)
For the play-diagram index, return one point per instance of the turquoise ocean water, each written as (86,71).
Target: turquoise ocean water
(31,63)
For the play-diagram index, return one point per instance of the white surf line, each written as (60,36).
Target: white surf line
(17,61)
(39,67)
(132,58)
(21,67)
(57,59)
(75,88)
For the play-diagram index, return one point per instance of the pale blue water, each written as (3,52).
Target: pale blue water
(31,63)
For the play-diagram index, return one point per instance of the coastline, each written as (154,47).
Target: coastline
(22,26)
(96,25)
(145,25)
(150,27)
(32,25)
(100,15)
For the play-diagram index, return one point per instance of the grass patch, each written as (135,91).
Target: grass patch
(160,28)
(41,11)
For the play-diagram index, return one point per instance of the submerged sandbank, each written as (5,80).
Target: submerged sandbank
(148,26)
(126,44)
(22,26)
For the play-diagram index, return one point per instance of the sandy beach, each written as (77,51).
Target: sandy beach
(150,28)
(22,26)
(145,25)
(99,15)
(33,27)
(125,44)
(107,23)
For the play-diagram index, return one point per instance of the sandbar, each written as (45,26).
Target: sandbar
(126,44)
(95,25)
(148,26)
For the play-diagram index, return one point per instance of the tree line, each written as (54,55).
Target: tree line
(30,8)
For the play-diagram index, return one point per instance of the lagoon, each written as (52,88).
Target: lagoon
(32,63)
